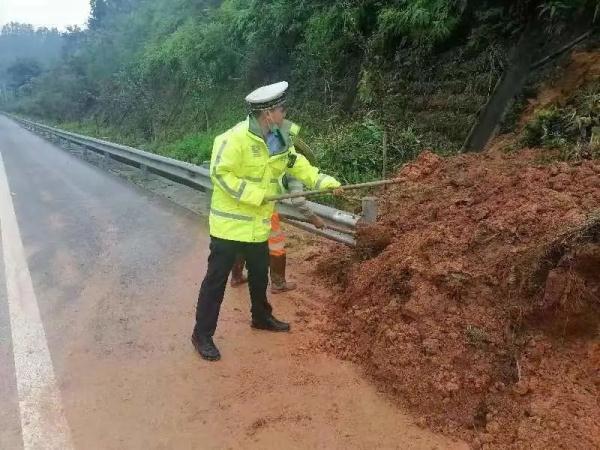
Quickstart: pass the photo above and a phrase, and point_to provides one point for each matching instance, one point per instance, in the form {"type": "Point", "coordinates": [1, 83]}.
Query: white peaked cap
{"type": "Point", "coordinates": [269, 96]}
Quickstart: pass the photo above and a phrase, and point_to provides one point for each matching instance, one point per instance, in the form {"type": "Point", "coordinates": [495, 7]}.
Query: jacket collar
{"type": "Point", "coordinates": [287, 129]}
{"type": "Point", "coordinates": [254, 127]}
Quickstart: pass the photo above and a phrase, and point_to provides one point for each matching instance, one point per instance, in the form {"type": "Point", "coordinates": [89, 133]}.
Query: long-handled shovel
{"type": "Point", "coordinates": [274, 198]}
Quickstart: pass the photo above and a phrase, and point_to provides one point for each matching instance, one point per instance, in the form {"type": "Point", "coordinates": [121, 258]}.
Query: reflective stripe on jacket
{"type": "Point", "coordinates": [243, 174]}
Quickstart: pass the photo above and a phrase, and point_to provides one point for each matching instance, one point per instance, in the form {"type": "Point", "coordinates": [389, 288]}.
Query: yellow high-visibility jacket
{"type": "Point", "coordinates": [243, 174]}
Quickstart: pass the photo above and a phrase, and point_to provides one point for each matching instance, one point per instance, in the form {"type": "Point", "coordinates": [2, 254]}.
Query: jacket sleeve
{"type": "Point", "coordinates": [295, 186]}
{"type": "Point", "coordinates": [309, 175]}
{"type": "Point", "coordinates": [226, 158]}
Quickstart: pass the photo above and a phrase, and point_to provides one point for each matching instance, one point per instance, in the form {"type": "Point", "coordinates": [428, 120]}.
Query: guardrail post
{"type": "Point", "coordinates": [144, 171]}
{"type": "Point", "coordinates": [105, 159]}
{"type": "Point", "coordinates": [369, 209]}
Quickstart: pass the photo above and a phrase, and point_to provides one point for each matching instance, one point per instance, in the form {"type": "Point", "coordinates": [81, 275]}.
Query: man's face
{"type": "Point", "coordinates": [277, 115]}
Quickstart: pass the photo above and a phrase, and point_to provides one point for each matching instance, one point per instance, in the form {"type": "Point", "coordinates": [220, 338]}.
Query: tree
{"type": "Point", "coordinates": [22, 72]}
{"type": "Point", "coordinates": [98, 13]}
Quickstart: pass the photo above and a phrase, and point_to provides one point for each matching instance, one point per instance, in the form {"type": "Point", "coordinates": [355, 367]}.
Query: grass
{"type": "Point", "coordinates": [194, 148]}
{"type": "Point", "coordinates": [476, 336]}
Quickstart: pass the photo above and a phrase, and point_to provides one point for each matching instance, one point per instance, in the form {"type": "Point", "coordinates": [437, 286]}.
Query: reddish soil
{"type": "Point", "coordinates": [482, 312]}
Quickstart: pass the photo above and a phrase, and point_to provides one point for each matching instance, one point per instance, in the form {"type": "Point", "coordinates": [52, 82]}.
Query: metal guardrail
{"type": "Point", "coordinates": [198, 177]}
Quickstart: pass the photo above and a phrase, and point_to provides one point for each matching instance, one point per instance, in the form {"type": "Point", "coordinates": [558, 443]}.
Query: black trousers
{"type": "Point", "coordinates": [220, 261]}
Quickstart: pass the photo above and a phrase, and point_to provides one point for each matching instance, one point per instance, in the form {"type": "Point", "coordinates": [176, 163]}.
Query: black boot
{"type": "Point", "coordinates": [270, 324]}
{"type": "Point", "coordinates": [205, 346]}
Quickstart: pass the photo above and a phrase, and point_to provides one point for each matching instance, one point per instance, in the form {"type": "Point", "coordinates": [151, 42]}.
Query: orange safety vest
{"type": "Point", "coordinates": [276, 237]}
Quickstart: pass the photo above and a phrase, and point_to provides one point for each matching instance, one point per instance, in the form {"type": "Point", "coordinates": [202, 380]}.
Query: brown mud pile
{"type": "Point", "coordinates": [475, 299]}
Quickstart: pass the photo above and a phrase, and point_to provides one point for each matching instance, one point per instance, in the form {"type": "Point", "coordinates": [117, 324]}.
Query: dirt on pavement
{"type": "Point", "coordinates": [145, 387]}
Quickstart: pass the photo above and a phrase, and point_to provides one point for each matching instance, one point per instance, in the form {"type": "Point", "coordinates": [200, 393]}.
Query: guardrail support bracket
{"type": "Point", "coordinates": [105, 159]}
{"type": "Point", "coordinates": [369, 210]}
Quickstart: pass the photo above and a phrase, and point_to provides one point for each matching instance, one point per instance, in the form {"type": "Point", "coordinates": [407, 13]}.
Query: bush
{"type": "Point", "coordinates": [354, 153]}
{"type": "Point", "coordinates": [573, 130]}
{"type": "Point", "coordinates": [549, 128]}
{"type": "Point", "coordinates": [323, 60]}
{"type": "Point", "coordinates": [427, 22]}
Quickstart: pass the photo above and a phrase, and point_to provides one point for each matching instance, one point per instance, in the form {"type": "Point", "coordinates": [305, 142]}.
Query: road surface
{"type": "Point", "coordinates": [98, 281]}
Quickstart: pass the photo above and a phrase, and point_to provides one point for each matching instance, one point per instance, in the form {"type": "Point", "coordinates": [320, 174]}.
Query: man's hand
{"type": "Point", "coordinates": [338, 192]}
{"type": "Point", "coordinates": [317, 221]}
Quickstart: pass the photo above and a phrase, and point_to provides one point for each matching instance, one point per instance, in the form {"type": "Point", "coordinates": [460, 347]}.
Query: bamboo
{"type": "Point", "coordinates": [384, 163]}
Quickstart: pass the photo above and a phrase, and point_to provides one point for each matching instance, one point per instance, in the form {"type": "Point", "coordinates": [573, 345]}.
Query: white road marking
{"type": "Point", "coordinates": [43, 422]}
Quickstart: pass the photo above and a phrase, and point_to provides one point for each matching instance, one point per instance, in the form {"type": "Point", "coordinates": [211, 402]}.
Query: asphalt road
{"type": "Point", "coordinates": [98, 281]}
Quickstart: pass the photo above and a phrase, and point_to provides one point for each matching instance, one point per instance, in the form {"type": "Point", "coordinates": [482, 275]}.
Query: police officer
{"type": "Point", "coordinates": [277, 250]}
{"type": "Point", "coordinates": [247, 164]}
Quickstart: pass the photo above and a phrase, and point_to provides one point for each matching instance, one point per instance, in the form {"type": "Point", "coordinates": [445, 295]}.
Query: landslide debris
{"type": "Point", "coordinates": [478, 303]}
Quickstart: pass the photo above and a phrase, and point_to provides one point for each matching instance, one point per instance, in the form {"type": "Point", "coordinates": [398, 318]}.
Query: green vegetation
{"type": "Point", "coordinates": [169, 75]}
{"type": "Point", "coordinates": [573, 130]}
{"type": "Point", "coordinates": [550, 128]}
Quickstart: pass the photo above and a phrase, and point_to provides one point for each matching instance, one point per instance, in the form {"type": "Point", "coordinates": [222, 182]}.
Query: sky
{"type": "Point", "coordinates": [45, 13]}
